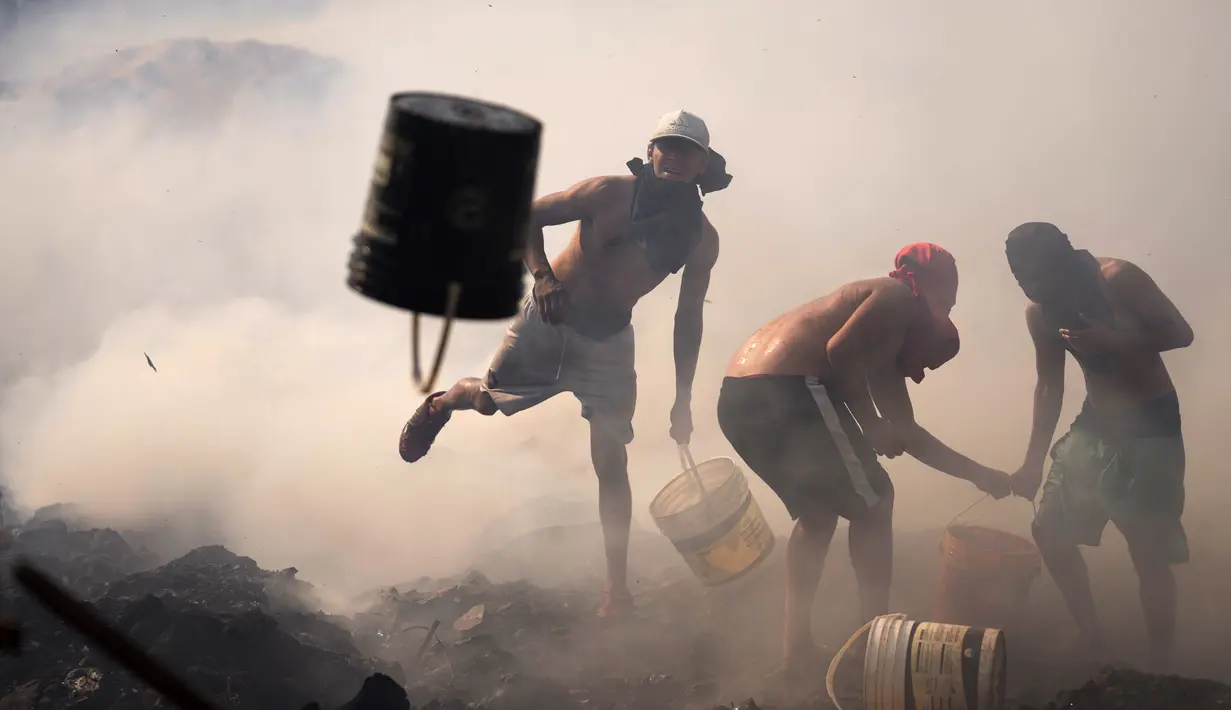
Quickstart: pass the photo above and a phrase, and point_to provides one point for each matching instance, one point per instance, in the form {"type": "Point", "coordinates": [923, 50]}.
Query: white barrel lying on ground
{"type": "Point", "coordinates": [921, 665]}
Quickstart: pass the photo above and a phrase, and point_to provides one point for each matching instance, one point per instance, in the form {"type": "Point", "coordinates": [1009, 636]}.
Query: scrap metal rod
{"type": "Point", "coordinates": [87, 622]}
{"type": "Point", "coordinates": [431, 634]}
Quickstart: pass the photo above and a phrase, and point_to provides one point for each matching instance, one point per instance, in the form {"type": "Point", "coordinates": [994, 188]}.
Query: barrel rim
{"type": "Point", "coordinates": [993, 685]}
{"type": "Point", "coordinates": [892, 636]}
{"type": "Point", "coordinates": [1032, 553]}
{"type": "Point", "coordinates": [534, 125]}
{"type": "Point", "coordinates": [656, 502]}
{"type": "Point", "coordinates": [886, 633]}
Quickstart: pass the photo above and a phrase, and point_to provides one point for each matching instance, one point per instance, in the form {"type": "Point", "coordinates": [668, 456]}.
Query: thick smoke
{"type": "Point", "coordinates": [210, 230]}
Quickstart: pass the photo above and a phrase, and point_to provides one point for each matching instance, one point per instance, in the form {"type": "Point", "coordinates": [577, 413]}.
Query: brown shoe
{"type": "Point", "coordinates": [421, 430]}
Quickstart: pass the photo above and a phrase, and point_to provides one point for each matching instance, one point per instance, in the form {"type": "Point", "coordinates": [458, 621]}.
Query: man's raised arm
{"type": "Point", "coordinates": [571, 205]}
{"type": "Point", "coordinates": [1163, 326]}
{"type": "Point", "coordinates": [579, 202]}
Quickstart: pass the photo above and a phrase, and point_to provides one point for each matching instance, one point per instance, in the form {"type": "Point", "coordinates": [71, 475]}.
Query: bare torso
{"type": "Point", "coordinates": [1131, 379]}
{"type": "Point", "coordinates": [602, 268]}
{"type": "Point", "coordinates": [796, 342]}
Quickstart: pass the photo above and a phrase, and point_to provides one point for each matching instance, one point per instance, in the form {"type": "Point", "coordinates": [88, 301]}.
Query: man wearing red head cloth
{"type": "Point", "coordinates": [800, 403]}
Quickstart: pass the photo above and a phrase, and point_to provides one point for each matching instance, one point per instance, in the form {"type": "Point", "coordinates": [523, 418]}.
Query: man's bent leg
{"type": "Point", "coordinates": [1069, 515]}
{"type": "Point", "coordinates": [467, 395]}
{"type": "Point", "coordinates": [871, 546]}
{"type": "Point", "coordinates": [522, 374]}
{"type": "Point", "coordinates": [430, 418]}
{"type": "Point", "coordinates": [1068, 569]}
{"type": "Point", "coordinates": [805, 559]}
{"type": "Point", "coordinates": [615, 510]}
{"type": "Point", "coordinates": [1149, 546]}
{"type": "Point", "coordinates": [1149, 517]}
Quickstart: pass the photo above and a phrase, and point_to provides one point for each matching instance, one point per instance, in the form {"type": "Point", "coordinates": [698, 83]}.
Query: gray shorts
{"type": "Point", "coordinates": [1137, 482]}
{"type": "Point", "coordinates": [538, 360]}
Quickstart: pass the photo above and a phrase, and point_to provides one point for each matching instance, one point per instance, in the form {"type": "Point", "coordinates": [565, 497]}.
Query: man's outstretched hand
{"type": "Point", "coordinates": [1027, 480]}
{"type": "Point", "coordinates": [550, 298]}
{"type": "Point", "coordinates": [884, 441]}
{"type": "Point", "coordinates": [996, 484]}
{"type": "Point", "coordinates": [681, 422]}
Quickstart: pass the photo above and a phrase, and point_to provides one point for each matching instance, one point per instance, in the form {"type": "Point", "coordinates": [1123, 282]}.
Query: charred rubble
{"type": "Point", "coordinates": [244, 636]}
{"type": "Point", "coordinates": [251, 638]}
{"type": "Point", "coordinates": [1121, 689]}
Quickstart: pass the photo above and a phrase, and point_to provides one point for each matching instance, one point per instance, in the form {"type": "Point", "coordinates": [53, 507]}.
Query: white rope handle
{"type": "Point", "coordinates": [841, 654]}
{"type": "Point", "coordinates": [452, 296]}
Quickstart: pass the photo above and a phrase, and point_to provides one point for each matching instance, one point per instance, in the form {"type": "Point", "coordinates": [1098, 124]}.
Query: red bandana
{"type": "Point", "coordinates": [931, 339]}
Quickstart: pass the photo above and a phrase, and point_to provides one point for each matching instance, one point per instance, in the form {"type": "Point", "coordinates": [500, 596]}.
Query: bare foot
{"type": "Point", "coordinates": [803, 668]}
{"type": "Point", "coordinates": [617, 603]}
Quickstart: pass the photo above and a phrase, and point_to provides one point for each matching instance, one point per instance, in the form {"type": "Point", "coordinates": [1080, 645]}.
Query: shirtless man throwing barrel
{"type": "Point", "coordinates": [574, 332]}
{"type": "Point", "coordinates": [799, 404]}
{"type": "Point", "coordinates": [1123, 458]}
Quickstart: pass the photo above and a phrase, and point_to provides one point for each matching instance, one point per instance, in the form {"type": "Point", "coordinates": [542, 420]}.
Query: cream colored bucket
{"type": "Point", "coordinates": [920, 665]}
{"type": "Point", "coordinates": [710, 516]}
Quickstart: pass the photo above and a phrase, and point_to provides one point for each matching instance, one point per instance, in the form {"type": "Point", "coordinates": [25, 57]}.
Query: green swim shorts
{"type": "Point", "coordinates": [1131, 481]}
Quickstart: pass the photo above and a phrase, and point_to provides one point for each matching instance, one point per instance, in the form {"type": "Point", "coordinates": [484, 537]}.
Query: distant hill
{"type": "Point", "coordinates": [193, 70]}
{"type": "Point", "coordinates": [16, 15]}
{"type": "Point", "coordinates": [186, 81]}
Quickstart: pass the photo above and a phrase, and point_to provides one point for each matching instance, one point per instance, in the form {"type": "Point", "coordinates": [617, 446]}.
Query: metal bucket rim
{"type": "Point", "coordinates": [1032, 553]}
{"type": "Point", "coordinates": [533, 125]}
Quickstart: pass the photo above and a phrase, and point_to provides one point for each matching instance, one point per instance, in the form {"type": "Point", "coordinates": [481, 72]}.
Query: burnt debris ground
{"type": "Point", "coordinates": [251, 638]}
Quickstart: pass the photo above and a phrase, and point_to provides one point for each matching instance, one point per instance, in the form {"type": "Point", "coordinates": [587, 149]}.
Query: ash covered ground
{"type": "Point", "coordinates": [255, 638]}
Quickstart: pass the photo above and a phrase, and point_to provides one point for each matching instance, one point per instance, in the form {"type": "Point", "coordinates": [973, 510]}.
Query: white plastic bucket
{"type": "Point", "coordinates": [710, 516]}
{"type": "Point", "coordinates": [914, 665]}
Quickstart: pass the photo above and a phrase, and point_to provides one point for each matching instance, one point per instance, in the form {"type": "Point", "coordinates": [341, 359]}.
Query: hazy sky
{"type": "Point", "coordinates": [852, 128]}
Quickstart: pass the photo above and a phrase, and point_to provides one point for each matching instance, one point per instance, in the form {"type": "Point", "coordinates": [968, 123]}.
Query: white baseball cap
{"type": "Point", "coordinates": [682, 124]}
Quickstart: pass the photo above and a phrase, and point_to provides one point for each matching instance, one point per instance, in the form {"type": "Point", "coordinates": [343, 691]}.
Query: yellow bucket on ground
{"type": "Point", "coordinates": [710, 516]}
{"type": "Point", "coordinates": [920, 665]}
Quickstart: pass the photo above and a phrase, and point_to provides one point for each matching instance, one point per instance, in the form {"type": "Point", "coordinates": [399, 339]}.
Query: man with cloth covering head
{"type": "Point", "coordinates": [811, 399]}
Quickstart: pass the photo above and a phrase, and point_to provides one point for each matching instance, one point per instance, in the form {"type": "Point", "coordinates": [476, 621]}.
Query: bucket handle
{"type": "Point", "coordinates": [973, 505]}
{"type": "Point", "coordinates": [452, 296]}
{"type": "Point", "coordinates": [690, 466]}
{"type": "Point", "coordinates": [968, 508]}
{"type": "Point", "coordinates": [841, 654]}
{"type": "Point", "coordinates": [986, 496]}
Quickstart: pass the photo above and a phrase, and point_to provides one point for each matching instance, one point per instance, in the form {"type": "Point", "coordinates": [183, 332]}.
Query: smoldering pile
{"type": "Point", "coordinates": [1125, 689]}
{"type": "Point", "coordinates": [246, 637]}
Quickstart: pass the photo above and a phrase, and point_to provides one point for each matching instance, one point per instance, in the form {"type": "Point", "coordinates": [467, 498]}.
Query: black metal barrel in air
{"type": "Point", "coordinates": [449, 206]}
